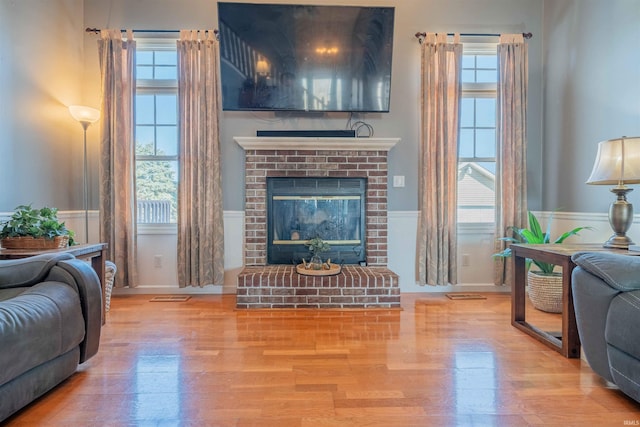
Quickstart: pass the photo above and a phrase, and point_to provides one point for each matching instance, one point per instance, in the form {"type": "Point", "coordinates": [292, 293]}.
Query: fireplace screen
{"type": "Point", "coordinates": [300, 209]}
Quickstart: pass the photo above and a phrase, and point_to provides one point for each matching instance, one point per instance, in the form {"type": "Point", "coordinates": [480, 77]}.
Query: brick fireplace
{"type": "Point", "coordinates": [278, 286]}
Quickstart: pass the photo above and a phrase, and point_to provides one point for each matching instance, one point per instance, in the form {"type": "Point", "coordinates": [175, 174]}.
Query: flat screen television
{"type": "Point", "coordinates": [305, 58]}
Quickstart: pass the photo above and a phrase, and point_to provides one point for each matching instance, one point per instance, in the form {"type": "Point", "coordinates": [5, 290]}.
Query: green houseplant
{"type": "Point", "coordinates": [545, 285]}
{"type": "Point", "coordinates": [535, 235]}
{"type": "Point", "coordinates": [316, 247]}
{"type": "Point", "coordinates": [34, 228]}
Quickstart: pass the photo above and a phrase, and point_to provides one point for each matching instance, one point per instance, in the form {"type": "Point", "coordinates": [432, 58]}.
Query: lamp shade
{"type": "Point", "coordinates": [262, 67]}
{"type": "Point", "coordinates": [84, 114]}
{"type": "Point", "coordinates": [617, 162]}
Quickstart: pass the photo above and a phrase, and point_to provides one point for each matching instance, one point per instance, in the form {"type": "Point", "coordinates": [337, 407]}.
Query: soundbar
{"type": "Point", "coordinates": [308, 133]}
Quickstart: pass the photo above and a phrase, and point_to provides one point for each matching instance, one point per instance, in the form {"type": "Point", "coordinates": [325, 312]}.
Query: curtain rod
{"type": "Point", "coordinates": [97, 31]}
{"type": "Point", "coordinates": [420, 36]}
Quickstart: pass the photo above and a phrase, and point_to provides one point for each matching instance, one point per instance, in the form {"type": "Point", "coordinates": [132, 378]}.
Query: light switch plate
{"type": "Point", "coordinates": [398, 180]}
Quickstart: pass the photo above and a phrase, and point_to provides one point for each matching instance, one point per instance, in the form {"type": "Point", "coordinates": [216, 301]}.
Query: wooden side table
{"type": "Point", "coordinates": [568, 344]}
{"type": "Point", "coordinates": [96, 252]}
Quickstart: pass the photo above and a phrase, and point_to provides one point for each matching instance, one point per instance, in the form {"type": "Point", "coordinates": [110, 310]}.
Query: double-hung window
{"type": "Point", "coordinates": [156, 131]}
{"type": "Point", "coordinates": [477, 141]}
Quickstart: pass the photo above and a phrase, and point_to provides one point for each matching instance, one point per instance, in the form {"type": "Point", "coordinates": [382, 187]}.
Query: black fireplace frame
{"type": "Point", "coordinates": [350, 253]}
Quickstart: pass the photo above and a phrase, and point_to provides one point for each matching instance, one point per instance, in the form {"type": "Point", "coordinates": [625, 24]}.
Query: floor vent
{"type": "Point", "coordinates": [169, 298]}
{"type": "Point", "coordinates": [465, 296]}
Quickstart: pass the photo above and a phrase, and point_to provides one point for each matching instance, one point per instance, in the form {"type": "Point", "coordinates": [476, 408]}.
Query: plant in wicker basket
{"type": "Point", "coordinates": [545, 285]}
{"type": "Point", "coordinates": [30, 228]}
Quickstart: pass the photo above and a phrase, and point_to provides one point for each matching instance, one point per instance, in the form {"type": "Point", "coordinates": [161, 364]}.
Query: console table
{"type": "Point", "coordinates": [568, 344]}
{"type": "Point", "coordinates": [96, 252]}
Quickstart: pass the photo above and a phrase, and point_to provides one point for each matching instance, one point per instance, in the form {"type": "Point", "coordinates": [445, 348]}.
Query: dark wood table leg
{"type": "Point", "coordinates": [518, 290]}
{"type": "Point", "coordinates": [570, 337]}
{"type": "Point", "coordinates": [97, 262]}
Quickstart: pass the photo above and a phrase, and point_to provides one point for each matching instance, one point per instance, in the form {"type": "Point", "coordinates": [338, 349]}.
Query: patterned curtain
{"type": "Point", "coordinates": [117, 153]}
{"type": "Point", "coordinates": [200, 220]}
{"type": "Point", "coordinates": [511, 187]}
{"type": "Point", "coordinates": [441, 93]}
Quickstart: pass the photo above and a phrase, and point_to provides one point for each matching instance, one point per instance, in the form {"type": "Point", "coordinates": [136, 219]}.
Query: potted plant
{"type": "Point", "coordinates": [316, 247]}
{"type": "Point", "coordinates": [30, 228]}
{"type": "Point", "coordinates": [545, 285]}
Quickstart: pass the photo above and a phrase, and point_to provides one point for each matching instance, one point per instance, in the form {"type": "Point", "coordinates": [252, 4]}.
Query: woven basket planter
{"type": "Point", "coordinates": [109, 277]}
{"type": "Point", "coordinates": [545, 291]}
{"type": "Point", "coordinates": [28, 242]}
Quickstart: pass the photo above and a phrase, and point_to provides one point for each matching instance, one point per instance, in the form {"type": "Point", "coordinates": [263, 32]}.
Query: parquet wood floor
{"type": "Point", "coordinates": [436, 362]}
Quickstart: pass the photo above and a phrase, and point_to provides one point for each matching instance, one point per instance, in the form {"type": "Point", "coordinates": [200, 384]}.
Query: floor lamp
{"type": "Point", "coordinates": [86, 116]}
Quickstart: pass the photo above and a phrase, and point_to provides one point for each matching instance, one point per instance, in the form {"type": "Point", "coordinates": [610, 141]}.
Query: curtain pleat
{"type": "Point", "coordinates": [511, 187]}
{"type": "Point", "coordinates": [440, 104]}
{"type": "Point", "coordinates": [200, 213]}
{"type": "Point", "coordinates": [117, 154]}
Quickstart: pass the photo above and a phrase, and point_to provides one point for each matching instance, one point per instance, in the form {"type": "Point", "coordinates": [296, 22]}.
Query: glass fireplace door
{"type": "Point", "coordinates": [300, 212]}
{"type": "Point", "coordinates": [335, 219]}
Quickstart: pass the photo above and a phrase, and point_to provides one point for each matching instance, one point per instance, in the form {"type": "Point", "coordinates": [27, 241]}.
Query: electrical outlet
{"type": "Point", "coordinates": [157, 261]}
{"type": "Point", "coordinates": [465, 260]}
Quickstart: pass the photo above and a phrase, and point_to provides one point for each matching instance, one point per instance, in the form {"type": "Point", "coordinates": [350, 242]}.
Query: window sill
{"type": "Point", "coordinates": [476, 228]}
{"type": "Point", "coordinates": [148, 229]}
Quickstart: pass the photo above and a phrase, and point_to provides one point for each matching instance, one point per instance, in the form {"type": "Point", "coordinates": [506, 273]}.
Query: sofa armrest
{"type": "Point", "coordinates": [621, 272]}
{"type": "Point", "coordinates": [24, 272]}
{"type": "Point", "coordinates": [83, 277]}
{"type": "Point", "coordinates": [592, 298]}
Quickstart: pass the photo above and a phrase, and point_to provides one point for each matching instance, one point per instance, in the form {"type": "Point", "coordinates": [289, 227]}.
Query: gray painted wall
{"type": "Point", "coordinates": [52, 76]}
{"type": "Point", "coordinates": [486, 16]}
{"type": "Point", "coordinates": [41, 62]}
{"type": "Point", "coordinates": [592, 93]}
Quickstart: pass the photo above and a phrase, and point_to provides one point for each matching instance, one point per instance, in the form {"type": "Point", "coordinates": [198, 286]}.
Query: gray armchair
{"type": "Point", "coordinates": [606, 296]}
{"type": "Point", "coordinates": [50, 321]}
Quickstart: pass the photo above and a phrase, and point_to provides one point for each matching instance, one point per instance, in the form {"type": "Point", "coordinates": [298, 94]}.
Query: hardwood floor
{"type": "Point", "coordinates": [436, 362]}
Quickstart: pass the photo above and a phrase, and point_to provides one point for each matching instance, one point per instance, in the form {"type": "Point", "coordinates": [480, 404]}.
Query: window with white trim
{"type": "Point", "coordinates": [156, 131]}
{"type": "Point", "coordinates": [477, 140]}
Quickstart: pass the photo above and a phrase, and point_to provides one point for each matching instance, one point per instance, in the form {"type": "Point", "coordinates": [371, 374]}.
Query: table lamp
{"type": "Point", "coordinates": [618, 163]}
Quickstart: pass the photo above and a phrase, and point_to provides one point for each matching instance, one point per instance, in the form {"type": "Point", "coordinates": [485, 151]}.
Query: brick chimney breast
{"type": "Point", "coordinates": [316, 157]}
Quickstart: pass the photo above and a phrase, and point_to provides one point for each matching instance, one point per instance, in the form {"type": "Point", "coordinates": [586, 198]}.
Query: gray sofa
{"type": "Point", "coordinates": [50, 321]}
{"type": "Point", "coordinates": [606, 296]}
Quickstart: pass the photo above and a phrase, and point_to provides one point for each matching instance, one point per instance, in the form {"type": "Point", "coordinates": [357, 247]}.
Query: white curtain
{"type": "Point", "coordinates": [511, 162]}
{"type": "Point", "coordinates": [200, 220]}
{"type": "Point", "coordinates": [117, 153]}
{"type": "Point", "coordinates": [440, 103]}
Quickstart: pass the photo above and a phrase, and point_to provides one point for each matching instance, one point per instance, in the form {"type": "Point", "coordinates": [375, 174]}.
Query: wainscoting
{"type": "Point", "coordinates": [402, 227]}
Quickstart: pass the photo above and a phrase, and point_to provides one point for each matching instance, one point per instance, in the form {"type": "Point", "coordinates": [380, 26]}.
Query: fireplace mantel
{"type": "Point", "coordinates": [316, 143]}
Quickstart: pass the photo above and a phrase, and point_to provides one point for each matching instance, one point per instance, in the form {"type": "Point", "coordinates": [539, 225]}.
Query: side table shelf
{"type": "Point", "coordinates": [568, 343]}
